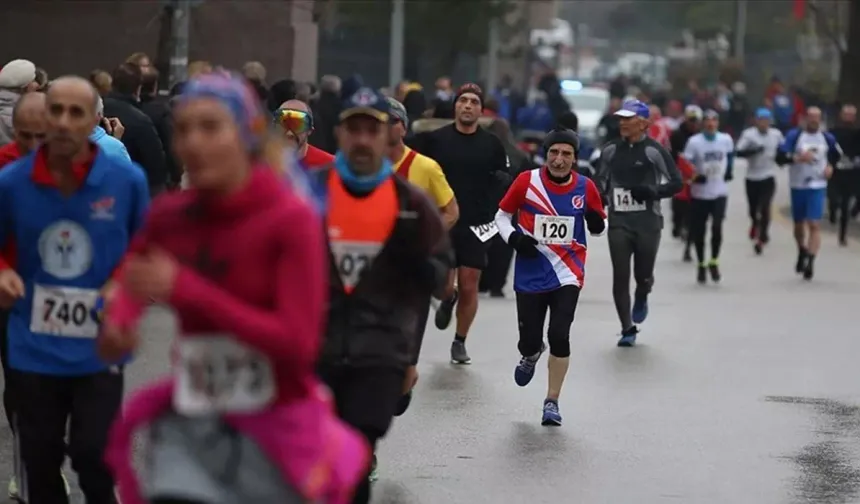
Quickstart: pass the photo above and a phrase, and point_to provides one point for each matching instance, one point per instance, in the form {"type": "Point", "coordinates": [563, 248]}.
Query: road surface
{"type": "Point", "coordinates": [745, 392]}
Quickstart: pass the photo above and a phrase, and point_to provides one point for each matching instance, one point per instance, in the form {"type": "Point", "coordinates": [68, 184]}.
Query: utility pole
{"type": "Point", "coordinates": [181, 35]}
{"type": "Point", "coordinates": [493, 56]}
{"type": "Point", "coordinates": [398, 41]}
{"type": "Point", "coordinates": [740, 29]}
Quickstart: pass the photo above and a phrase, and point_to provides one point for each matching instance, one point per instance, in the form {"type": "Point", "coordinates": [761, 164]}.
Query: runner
{"type": "Point", "coordinates": [29, 123]}
{"type": "Point", "coordinates": [297, 122]}
{"type": "Point", "coordinates": [476, 165]}
{"type": "Point", "coordinates": [635, 172]}
{"type": "Point", "coordinates": [681, 202]}
{"type": "Point", "coordinates": [758, 144]}
{"type": "Point", "coordinates": [242, 418]}
{"type": "Point", "coordinates": [811, 154]}
{"type": "Point", "coordinates": [554, 206]}
{"type": "Point", "coordinates": [389, 253]}
{"type": "Point", "coordinates": [846, 179]}
{"type": "Point", "coordinates": [711, 153]}
{"type": "Point", "coordinates": [71, 210]}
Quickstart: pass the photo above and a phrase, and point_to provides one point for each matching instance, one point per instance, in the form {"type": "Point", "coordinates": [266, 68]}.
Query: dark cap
{"type": "Point", "coordinates": [562, 136]}
{"type": "Point", "coordinates": [366, 101]}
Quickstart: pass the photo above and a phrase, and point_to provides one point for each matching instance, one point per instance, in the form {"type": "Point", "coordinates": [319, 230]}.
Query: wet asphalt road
{"type": "Point", "coordinates": [745, 392]}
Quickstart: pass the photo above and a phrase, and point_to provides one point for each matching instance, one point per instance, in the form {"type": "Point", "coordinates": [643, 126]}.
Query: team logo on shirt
{"type": "Point", "coordinates": [65, 249]}
{"type": "Point", "coordinates": [578, 202]}
{"type": "Point", "coordinates": [102, 209]}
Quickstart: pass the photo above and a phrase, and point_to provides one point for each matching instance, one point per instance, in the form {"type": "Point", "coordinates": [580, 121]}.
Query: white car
{"type": "Point", "coordinates": [589, 104]}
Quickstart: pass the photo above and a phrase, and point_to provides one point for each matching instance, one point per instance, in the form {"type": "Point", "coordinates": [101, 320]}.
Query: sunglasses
{"type": "Point", "coordinates": [294, 121]}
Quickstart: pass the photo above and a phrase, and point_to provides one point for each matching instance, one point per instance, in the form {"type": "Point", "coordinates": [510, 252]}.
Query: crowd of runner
{"type": "Point", "coordinates": [314, 233]}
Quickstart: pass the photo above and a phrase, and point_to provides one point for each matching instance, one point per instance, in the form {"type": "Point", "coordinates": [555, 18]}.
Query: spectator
{"type": "Point", "coordinates": [30, 120]}
{"type": "Point", "coordinates": [41, 80]}
{"type": "Point", "coordinates": [198, 67]}
{"type": "Point", "coordinates": [536, 116]}
{"type": "Point", "coordinates": [782, 105]}
{"type": "Point", "coordinates": [102, 81]}
{"type": "Point", "coordinates": [142, 61]}
{"type": "Point", "coordinates": [739, 109]}
{"type": "Point", "coordinates": [491, 108]}
{"type": "Point", "coordinates": [16, 78]}
{"type": "Point", "coordinates": [281, 91]}
{"type": "Point", "coordinates": [109, 143]}
{"type": "Point", "coordinates": [326, 110]}
{"type": "Point", "coordinates": [608, 129]}
{"type": "Point", "coordinates": [509, 100]}
{"type": "Point", "coordinates": [158, 111]}
{"type": "Point", "coordinates": [415, 104]}
{"type": "Point", "coordinates": [443, 103]}
{"type": "Point", "coordinates": [140, 138]}
{"type": "Point", "coordinates": [303, 92]}
{"type": "Point", "coordinates": [255, 72]}
{"type": "Point", "coordinates": [551, 87]}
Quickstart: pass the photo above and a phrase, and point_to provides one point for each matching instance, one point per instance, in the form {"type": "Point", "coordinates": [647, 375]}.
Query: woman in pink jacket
{"type": "Point", "coordinates": [240, 258]}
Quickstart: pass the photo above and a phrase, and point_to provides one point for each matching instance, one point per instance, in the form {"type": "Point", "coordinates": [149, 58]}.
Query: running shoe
{"type": "Point", "coordinates": [446, 311]}
{"type": "Point", "coordinates": [13, 490]}
{"type": "Point", "coordinates": [525, 370]}
{"type": "Point", "coordinates": [459, 355]}
{"type": "Point", "coordinates": [800, 267]}
{"type": "Point", "coordinates": [702, 274]}
{"type": "Point", "coordinates": [714, 269]}
{"type": "Point", "coordinates": [628, 337]}
{"type": "Point", "coordinates": [551, 415]}
{"type": "Point", "coordinates": [688, 257]}
{"type": "Point", "coordinates": [374, 474]}
{"type": "Point", "coordinates": [807, 271]}
{"type": "Point", "coordinates": [403, 403]}
{"type": "Point", "coordinates": [753, 234]}
{"type": "Point", "coordinates": [640, 310]}
{"type": "Point", "coordinates": [758, 248]}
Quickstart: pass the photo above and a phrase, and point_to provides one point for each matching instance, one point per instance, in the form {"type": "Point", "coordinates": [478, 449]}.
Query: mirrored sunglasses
{"type": "Point", "coordinates": [295, 121]}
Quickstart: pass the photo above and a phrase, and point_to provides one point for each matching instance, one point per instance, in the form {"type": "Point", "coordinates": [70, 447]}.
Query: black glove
{"type": "Point", "coordinates": [594, 222]}
{"type": "Point", "coordinates": [524, 245]}
{"type": "Point", "coordinates": [643, 193]}
{"type": "Point", "coordinates": [700, 179]}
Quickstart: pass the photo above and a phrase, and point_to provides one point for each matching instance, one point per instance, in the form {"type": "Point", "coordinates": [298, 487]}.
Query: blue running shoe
{"type": "Point", "coordinates": [525, 370]}
{"type": "Point", "coordinates": [640, 310]}
{"type": "Point", "coordinates": [551, 415]}
{"type": "Point", "coordinates": [628, 337]}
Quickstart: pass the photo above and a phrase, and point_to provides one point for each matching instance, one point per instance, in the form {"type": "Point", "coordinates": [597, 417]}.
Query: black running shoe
{"type": "Point", "coordinates": [446, 311]}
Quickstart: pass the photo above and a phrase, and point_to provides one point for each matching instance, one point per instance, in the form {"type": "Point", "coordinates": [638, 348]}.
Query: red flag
{"type": "Point", "coordinates": [799, 9]}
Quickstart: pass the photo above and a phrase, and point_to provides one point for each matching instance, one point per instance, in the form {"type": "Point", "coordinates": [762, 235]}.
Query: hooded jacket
{"type": "Point", "coordinates": [110, 145]}
{"type": "Point", "coordinates": [8, 99]}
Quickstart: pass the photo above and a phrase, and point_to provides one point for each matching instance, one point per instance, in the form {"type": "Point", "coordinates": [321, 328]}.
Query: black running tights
{"type": "Point", "coordinates": [700, 212]}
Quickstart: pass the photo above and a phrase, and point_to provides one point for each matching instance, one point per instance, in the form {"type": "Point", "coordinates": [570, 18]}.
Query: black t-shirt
{"type": "Point", "coordinates": [475, 166]}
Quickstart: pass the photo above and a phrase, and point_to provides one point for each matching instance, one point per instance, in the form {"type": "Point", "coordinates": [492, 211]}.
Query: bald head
{"type": "Point", "coordinates": [295, 105]}
{"type": "Point", "coordinates": [77, 87]}
{"type": "Point", "coordinates": [31, 105]}
{"type": "Point", "coordinates": [813, 118]}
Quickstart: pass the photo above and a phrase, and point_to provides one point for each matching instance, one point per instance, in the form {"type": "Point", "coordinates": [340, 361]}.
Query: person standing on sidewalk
{"type": "Point", "coordinates": [846, 178]}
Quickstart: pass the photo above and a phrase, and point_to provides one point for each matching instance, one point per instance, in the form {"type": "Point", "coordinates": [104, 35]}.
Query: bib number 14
{"type": "Point", "coordinates": [624, 202]}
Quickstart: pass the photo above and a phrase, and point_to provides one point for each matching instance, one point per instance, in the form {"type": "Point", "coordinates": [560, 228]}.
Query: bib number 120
{"type": "Point", "coordinates": [554, 230]}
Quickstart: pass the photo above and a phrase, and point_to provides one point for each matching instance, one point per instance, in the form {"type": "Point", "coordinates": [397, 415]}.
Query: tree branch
{"type": "Point", "coordinates": [824, 23]}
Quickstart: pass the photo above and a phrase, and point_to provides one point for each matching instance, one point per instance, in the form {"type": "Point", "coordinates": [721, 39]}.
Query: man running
{"type": "Point", "coordinates": [634, 174]}
{"type": "Point", "coordinates": [758, 145]}
{"type": "Point", "coordinates": [846, 179]}
{"type": "Point", "coordinates": [72, 211]}
{"type": "Point", "coordinates": [295, 119]}
{"type": "Point", "coordinates": [389, 252]}
{"type": "Point", "coordinates": [681, 202]}
{"type": "Point", "coordinates": [711, 154]}
{"type": "Point", "coordinates": [554, 206]}
{"type": "Point", "coordinates": [811, 154]}
{"type": "Point", "coordinates": [475, 163]}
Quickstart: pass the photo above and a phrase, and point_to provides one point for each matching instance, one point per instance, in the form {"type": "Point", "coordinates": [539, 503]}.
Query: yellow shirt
{"type": "Point", "coordinates": [426, 173]}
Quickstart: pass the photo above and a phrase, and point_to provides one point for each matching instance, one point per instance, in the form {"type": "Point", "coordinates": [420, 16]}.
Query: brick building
{"type": "Point", "coordinates": [76, 37]}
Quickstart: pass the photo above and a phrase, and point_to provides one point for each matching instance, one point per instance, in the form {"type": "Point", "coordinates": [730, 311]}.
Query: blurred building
{"type": "Point", "coordinates": [76, 37]}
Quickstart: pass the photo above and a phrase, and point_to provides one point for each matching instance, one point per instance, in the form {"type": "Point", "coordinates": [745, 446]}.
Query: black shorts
{"type": "Point", "coordinates": [469, 251]}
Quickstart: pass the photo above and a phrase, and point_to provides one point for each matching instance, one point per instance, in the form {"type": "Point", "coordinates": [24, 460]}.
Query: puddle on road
{"type": "Point", "coordinates": [828, 465]}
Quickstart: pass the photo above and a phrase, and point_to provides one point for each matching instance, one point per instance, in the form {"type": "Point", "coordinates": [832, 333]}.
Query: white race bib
{"type": "Point", "coordinates": [353, 258]}
{"type": "Point", "coordinates": [713, 169]}
{"type": "Point", "coordinates": [485, 231]}
{"type": "Point", "coordinates": [217, 374]}
{"type": "Point", "coordinates": [623, 201]}
{"type": "Point", "coordinates": [554, 229]}
{"type": "Point", "coordinates": [63, 311]}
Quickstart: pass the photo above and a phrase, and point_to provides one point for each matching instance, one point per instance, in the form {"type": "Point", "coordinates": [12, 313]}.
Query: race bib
{"type": "Point", "coordinates": [352, 259]}
{"type": "Point", "coordinates": [485, 231]}
{"type": "Point", "coordinates": [63, 311]}
{"type": "Point", "coordinates": [713, 169]}
{"type": "Point", "coordinates": [554, 229]}
{"type": "Point", "coordinates": [217, 374]}
{"type": "Point", "coordinates": [624, 202]}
